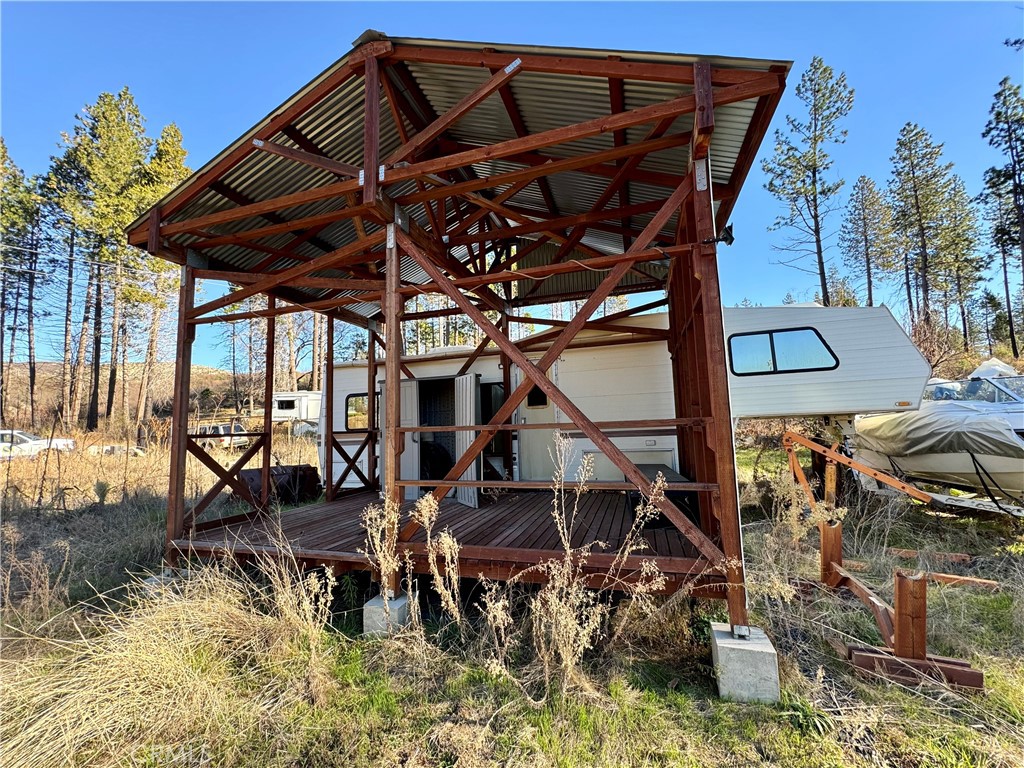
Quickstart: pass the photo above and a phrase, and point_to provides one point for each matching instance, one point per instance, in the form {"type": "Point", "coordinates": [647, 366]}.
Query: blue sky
{"type": "Point", "coordinates": [217, 68]}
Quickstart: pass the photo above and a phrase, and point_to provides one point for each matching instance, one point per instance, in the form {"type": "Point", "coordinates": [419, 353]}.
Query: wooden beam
{"type": "Point", "coordinates": [307, 158]}
{"type": "Point", "coordinates": [371, 130]}
{"type": "Point", "coordinates": [704, 115]}
{"type": "Point", "coordinates": [272, 125]}
{"type": "Point", "coordinates": [371, 406]}
{"type": "Point", "coordinates": [393, 304]}
{"type": "Point", "coordinates": [453, 115]}
{"type": "Point", "coordinates": [911, 614]}
{"type": "Point", "coordinates": [328, 479]}
{"type": "Point", "coordinates": [570, 65]}
{"type": "Point", "coordinates": [268, 408]}
{"type": "Point", "coordinates": [226, 477]}
{"type": "Point", "coordinates": [179, 412]}
{"type": "Point", "coordinates": [576, 416]}
{"type": "Point", "coordinates": [300, 270]}
{"type": "Point", "coordinates": [248, 278]}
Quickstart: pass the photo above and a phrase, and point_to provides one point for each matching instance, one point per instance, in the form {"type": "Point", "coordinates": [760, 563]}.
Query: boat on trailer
{"type": "Point", "coordinates": [967, 434]}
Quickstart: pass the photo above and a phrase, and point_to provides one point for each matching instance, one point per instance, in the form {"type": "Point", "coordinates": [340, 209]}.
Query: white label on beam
{"type": "Point", "coordinates": [513, 66]}
{"type": "Point", "coordinates": [380, 173]}
{"type": "Point", "coordinates": [391, 235]}
{"type": "Point", "coordinates": [257, 143]}
{"type": "Point", "coordinates": [362, 178]}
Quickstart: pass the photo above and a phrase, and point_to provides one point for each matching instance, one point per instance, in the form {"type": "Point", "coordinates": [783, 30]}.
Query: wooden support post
{"type": "Point", "coordinates": [371, 129]}
{"type": "Point", "coordinates": [328, 434]}
{"type": "Point", "coordinates": [911, 609]}
{"type": "Point", "coordinates": [507, 467]}
{"type": "Point", "coordinates": [371, 407]}
{"type": "Point", "coordinates": [394, 441]}
{"type": "Point", "coordinates": [831, 551]}
{"type": "Point", "coordinates": [725, 501]}
{"type": "Point", "coordinates": [830, 486]}
{"type": "Point", "coordinates": [179, 413]}
{"type": "Point", "coordinates": [268, 407]}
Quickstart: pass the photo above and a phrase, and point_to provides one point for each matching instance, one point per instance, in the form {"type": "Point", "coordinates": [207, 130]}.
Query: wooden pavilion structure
{"type": "Point", "coordinates": [500, 176]}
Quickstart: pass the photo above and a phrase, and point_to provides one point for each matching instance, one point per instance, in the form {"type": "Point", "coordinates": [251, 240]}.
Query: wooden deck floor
{"type": "Point", "coordinates": [513, 528]}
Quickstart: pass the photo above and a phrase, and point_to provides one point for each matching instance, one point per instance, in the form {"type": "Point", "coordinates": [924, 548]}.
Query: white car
{"type": "Point", "coordinates": [14, 444]}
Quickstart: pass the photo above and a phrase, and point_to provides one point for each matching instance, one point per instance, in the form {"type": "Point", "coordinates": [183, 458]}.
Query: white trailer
{"type": "Point", "coordinates": [300, 408]}
{"type": "Point", "coordinates": [801, 360]}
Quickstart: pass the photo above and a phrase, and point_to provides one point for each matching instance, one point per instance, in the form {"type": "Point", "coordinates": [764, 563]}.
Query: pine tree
{"type": "Point", "coordinates": [1003, 238]}
{"type": "Point", "coordinates": [1005, 131]}
{"type": "Point", "coordinates": [919, 189]}
{"type": "Point", "coordinates": [799, 169]}
{"type": "Point", "coordinates": [866, 238]}
{"type": "Point", "coordinates": [958, 251]}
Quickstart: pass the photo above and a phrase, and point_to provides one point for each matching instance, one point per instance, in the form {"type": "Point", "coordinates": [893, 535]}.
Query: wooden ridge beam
{"type": "Point", "coordinates": [571, 65]}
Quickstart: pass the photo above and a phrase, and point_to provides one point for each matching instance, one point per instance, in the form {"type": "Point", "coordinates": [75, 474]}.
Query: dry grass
{"type": "Point", "coordinates": [233, 667]}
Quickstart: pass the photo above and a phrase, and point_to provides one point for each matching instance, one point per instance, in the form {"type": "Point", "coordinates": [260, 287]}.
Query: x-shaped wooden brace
{"type": "Point", "coordinates": [227, 477]}
{"type": "Point", "coordinates": [350, 461]}
{"type": "Point", "coordinates": [537, 377]}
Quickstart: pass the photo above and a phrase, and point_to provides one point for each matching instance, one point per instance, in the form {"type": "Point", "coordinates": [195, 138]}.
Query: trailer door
{"type": "Point", "coordinates": [467, 412]}
{"type": "Point", "coordinates": [410, 464]}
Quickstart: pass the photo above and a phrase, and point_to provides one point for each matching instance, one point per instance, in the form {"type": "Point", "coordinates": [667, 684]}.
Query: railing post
{"type": "Point", "coordinates": [328, 434]}
{"type": "Point", "coordinates": [179, 413]}
{"type": "Point", "coordinates": [911, 608]}
{"type": "Point", "coordinates": [268, 406]}
{"type": "Point", "coordinates": [831, 550]}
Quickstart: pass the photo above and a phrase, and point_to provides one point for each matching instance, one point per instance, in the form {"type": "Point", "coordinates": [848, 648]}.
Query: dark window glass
{"type": "Point", "coordinates": [537, 398]}
{"type": "Point", "coordinates": [286, 405]}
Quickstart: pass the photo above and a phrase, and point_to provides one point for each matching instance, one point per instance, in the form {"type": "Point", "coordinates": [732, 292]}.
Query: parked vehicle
{"type": "Point", "coordinates": [14, 444]}
{"type": "Point", "coordinates": [967, 434]}
{"type": "Point", "coordinates": [222, 436]}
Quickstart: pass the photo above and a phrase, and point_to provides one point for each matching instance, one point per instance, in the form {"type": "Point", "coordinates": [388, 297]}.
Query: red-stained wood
{"type": "Point", "coordinates": [179, 412]}
{"type": "Point", "coordinates": [704, 115]}
{"type": "Point", "coordinates": [371, 129]}
{"type": "Point", "coordinates": [153, 243]}
{"type": "Point", "coordinates": [248, 278]}
{"type": "Point", "coordinates": [328, 478]}
{"type": "Point", "coordinates": [225, 477]}
{"type": "Point", "coordinates": [314, 160]}
{"type": "Point", "coordinates": [393, 302]}
{"type": "Point", "coordinates": [759, 124]}
{"type": "Point", "coordinates": [593, 485]}
{"type": "Point", "coordinates": [569, 65]}
{"type": "Point", "coordinates": [268, 407]}
{"type": "Point", "coordinates": [831, 551]}
{"type": "Point", "coordinates": [296, 108]}
{"type": "Point", "coordinates": [371, 407]}
{"type": "Point", "coordinates": [453, 115]}
{"type": "Point", "coordinates": [911, 615]}
{"type": "Point", "coordinates": [300, 270]}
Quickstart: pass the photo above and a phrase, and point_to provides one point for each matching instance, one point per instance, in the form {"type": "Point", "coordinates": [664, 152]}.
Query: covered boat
{"type": "Point", "coordinates": [967, 434]}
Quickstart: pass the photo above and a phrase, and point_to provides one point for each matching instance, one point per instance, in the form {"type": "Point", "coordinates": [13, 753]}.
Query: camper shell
{"type": "Point", "coordinates": [790, 361]}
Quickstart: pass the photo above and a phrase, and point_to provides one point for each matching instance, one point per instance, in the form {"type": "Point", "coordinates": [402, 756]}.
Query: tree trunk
{"type": "Point", "coordinates": [909, 287]}
{"type": "Point", "coordinates": [78, 378]}
{"type": "Point", "coordinates": [115, 338]}
{"type": "Point", "coordinates": [15, 317]}
{"type": "Point", "coordinates": [819, 250]}
{"type": "Point", "coordinates": [31, 324]}
{"type": "Point", "coordinates": [145, 407]}
{"type": "Point", "coordinates": [3, 369]}
{"type": "Point", "coordinates": [291, 382]}
{"type": "Point", "coordinates": [1009, 304]}
{"type": "Point", "coordinates": [962, 303]}
{"type": "Point", "coordinates": [92, 418]}
{"type": "Point", "coordinates": [123, 332]}
{"type": "Point", "coordinates": [67, 415]}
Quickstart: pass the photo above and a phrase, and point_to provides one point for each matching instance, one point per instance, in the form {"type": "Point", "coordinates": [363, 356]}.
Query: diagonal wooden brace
{"type": "Point", "coordinates": [227, 477]}
{"type": "Point", "coordinates": [581, 421]}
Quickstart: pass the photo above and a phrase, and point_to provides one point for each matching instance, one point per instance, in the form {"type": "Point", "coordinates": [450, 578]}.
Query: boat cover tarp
{"type": "Point", "coordinates": [992, 368]}
{"type": "Point", "coordinates": [946, 427]}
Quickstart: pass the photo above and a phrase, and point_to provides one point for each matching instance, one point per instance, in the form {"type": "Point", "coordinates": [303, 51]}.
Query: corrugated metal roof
{"type": "Point", "coordinates": [545, 101]}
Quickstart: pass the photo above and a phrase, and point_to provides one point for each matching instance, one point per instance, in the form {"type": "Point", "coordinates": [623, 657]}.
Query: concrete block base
{"type": "Point", "coordinates": [747, 669]}
{"type": "Point", "coordinates": [377, 623]}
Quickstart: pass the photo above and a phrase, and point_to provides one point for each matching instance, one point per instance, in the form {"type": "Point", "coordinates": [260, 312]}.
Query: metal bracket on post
{"type": "Point", "coordinates": [741, 632]}
{"type": "Point", "coordinates": [401, 219]}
